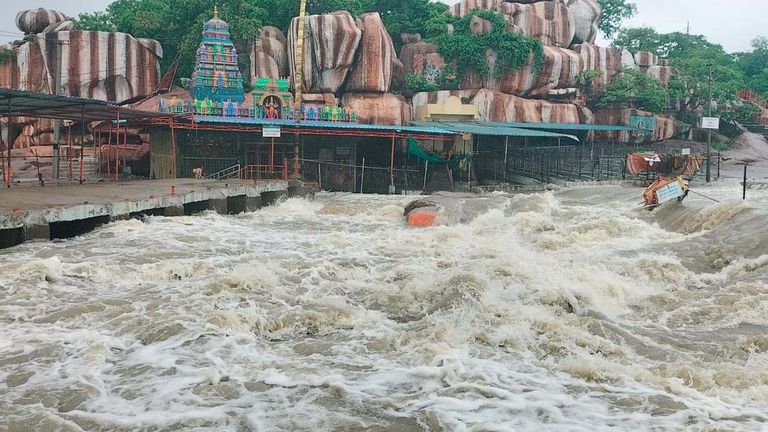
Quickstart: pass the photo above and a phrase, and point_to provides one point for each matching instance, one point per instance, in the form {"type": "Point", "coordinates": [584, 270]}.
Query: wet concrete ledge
{"type": "Point", "coordinates": [63, 212]}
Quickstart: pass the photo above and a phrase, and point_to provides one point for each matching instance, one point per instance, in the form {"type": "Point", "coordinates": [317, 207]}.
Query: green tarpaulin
{"type": "Point", "coordinates": [415, 149]}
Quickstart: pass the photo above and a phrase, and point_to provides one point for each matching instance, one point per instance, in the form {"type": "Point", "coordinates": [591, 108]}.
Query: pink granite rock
{"type": "Point", "coordinates": [464, 7]}
{"type": "Point", "coordinates": [666, 127]}
{"type": "Point", "coordinates": [608, 61]}
{"type": "Point", "coordinates": [646, 59]}
{"type": "Point", "coordinates": [497, 106]}
{"type": "Point", "coordinates": [268, 55]}
{"type": "Point", "coordinates": [330, 44]}
{"type": "Point", "coordinates": [480, 26]}
{"type": "Point", "coordinates": [559, 71]}
{"type": "Point", "coordinates": [586, 16]}
{"type": "Point", "coordinates": [36, 20]}
{"type": "Point", "coordinates": [398, 74]}
{"type": "Point", "coordinates": [372, 70]}
{"type": "Point", "coordinates": [548, 21]}
{"type": "Point", "coordinates": [106, 66]}
{"type": "Point", "coordinates": [414, 56]}
{"type": "Point", "coordinates": [377, 108]}
{"type": "Point", "coordinates": [99, 65]}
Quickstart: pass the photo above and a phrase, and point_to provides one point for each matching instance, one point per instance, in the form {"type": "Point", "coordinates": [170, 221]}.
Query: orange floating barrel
{"type": "Point", "coordinates": [422, 218]}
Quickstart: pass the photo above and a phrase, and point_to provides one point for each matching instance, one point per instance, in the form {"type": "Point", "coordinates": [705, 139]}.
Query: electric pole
{"type": "Point", "coordinates": [709, 131]}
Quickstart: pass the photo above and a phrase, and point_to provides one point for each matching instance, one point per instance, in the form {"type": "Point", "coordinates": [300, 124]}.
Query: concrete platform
{"type": "Point", "coordinates": [34, 212]}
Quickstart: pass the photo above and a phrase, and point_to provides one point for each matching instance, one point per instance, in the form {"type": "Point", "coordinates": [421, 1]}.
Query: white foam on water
{"type": "Point", "coordinates": [550, 311]}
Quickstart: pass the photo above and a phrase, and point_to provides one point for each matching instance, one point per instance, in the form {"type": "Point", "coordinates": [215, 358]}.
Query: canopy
{"type": "Point", "coordinates": [493, 129]}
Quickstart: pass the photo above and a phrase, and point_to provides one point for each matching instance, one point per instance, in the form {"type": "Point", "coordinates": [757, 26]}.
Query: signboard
{"type": "Point", "coordinates": [685, 152]}
{"type": "Point", "coordinates": [710, 122]}
{"type": "Point", "coordinates": [643, 125]}
{"type": "Point", "coordinates": [271, 132]}
{"type": "Point", "coordinates": [669, 192]}
{"type": "Point", "coordinates": [343, 150]}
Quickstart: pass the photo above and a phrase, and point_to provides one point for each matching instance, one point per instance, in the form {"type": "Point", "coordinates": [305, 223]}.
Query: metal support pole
{"type": "Point", "coordinates": [57, 123]}
{"type": "Point", "coordinates": [426, 169]}
{"type": "Point", "coordinates": [506, 154]}
{"type": "Point", "coordinates": [69, 152]}
{"type": "Point", "coordinates": [392, 167]}
{"type": "Point", "coordinates": [744, 185]}
{"type": "Point", "coordinates": [362, 177]}
{"type": "Point", "coordinates": [82, 143]}
{"type": "Point", "coordinates": [109, 151]}
{"type": "Point", "coordinates": [272, 156]}
{"type": "Point", "coordinates": [173, 150]}
{"type": "Point", "coordinates": [8, 173]}
{"type": "Point", "coordinates": [117, 149]}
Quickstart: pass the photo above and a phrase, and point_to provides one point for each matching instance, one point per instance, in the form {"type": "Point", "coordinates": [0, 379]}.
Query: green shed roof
{"type": "Point", "coordinates": [564, 126]}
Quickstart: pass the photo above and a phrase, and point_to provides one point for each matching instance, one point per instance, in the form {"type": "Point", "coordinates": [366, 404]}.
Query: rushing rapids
{"type": "Point", "coordinates": [568, 310]}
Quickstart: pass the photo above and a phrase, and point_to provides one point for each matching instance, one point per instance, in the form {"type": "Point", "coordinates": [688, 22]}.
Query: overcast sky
{"type": "Point", "coordinates": [732, 24]}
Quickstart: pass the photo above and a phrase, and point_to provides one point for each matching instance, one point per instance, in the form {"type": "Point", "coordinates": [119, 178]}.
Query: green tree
{"type": "Point", "coordinates": [693, 72]}
{"type": "Point", "coordinates": [638, 39]}
{"type": "Point", "coordinates": [633, 88]}
{"type": "Point", "coordinates": [614, 12]}
{"type": "Point", "coordinates": [97, 21]}
{"type": "Point", "coordinates": [754, 65]}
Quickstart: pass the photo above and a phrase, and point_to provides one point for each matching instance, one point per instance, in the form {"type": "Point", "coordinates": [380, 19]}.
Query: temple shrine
{"type": "Point", "coordinates": [217, 77]}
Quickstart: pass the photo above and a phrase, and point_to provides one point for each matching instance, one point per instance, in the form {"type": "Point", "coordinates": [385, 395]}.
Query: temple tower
{"type": "Point", "coordinates": [217, 76]}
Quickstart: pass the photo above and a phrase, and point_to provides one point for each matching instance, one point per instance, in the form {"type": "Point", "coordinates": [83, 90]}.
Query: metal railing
{"type": "Point", "coordinates": [265, 172]}
{"type": "Point", "coordinates": [226, 173]}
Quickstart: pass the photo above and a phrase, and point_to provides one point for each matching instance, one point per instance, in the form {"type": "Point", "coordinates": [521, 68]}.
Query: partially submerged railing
{"type": "Point", "coordinates": [265, 172]}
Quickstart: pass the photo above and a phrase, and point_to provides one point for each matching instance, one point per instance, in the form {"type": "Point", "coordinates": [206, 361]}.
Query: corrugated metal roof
{"type": "Point", "coordinates": [428, 129]}
{"type": "Point", "coordinates": [488, 129]}
{"type": "Point", "coordinates": [564, 126]}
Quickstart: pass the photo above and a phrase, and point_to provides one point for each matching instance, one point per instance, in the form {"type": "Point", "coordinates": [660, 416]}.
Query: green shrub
{"type": "Point", "coordinates": [468, 51]}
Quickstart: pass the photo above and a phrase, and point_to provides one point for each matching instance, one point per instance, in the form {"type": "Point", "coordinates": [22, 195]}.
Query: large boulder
{"type": "Point", "coordinates": [420, 55]}
{"type": "Point", "coordinates": [268, 55]}
{"type": "Point", "coordinates": [549, 21]}
{"type": "Point", "coordinates": [372, 71]}
{"type": "Point", "coordinates": [586, 16]}
{"type": "Point", "coordinates": [663, 127]}
{"type": "Point", "coordinates": [330, 44]}
{"type": "Point", "coordinates": [607, 61]}
{"type": "Point", "coordinates": [498, 106]}
{"type": "Point", "coordinates": [464, 7]}
{"type": "Point", "coordinates": [558, 71]}
{"type": "Point", "coordinates": [377, 108]}
{"type": "Point", "coordinates": [36, 20]}
{"type": "Point", "coordinates": [98, 65]}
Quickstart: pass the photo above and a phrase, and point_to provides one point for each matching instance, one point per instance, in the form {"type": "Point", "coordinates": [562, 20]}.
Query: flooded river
{"type": "Point", "coordinates": [571, 310]}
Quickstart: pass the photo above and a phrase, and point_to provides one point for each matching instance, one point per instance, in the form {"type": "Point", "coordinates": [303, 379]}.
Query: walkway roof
{"type": "Point", "coordinates": [427, 129]}
{"type": "Point", "coordinates": [564, 126]}
{"type": "Point", "coordinates": [493, 129]}
{"type": "Point", "coordinates": [19, 103]}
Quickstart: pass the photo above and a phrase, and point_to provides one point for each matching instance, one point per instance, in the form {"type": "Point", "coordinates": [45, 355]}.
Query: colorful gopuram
{"type": "Point", "coordinates": [217, 77]}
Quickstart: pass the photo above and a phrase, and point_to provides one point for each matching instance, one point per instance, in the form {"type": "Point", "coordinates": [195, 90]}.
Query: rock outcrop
{"type": "Point", "coordinates": [35, 21]}
{"type": "Point", "coordinates": [548, 21]}
{"type": "Point", "coordinates": [663, 127]}
{"type": "Point", "coordinates": [98, 65]}
{"type": "Point", "coordinates": [268, 54]}
{"type": "Point", "coordinates": [372, 71]}
{"type": "Point", "coordinates": [378, 109]}
{"type": "Point", "coordinates": [330, 45]}
{"type": "Point", "coordinates": [105, 66]}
